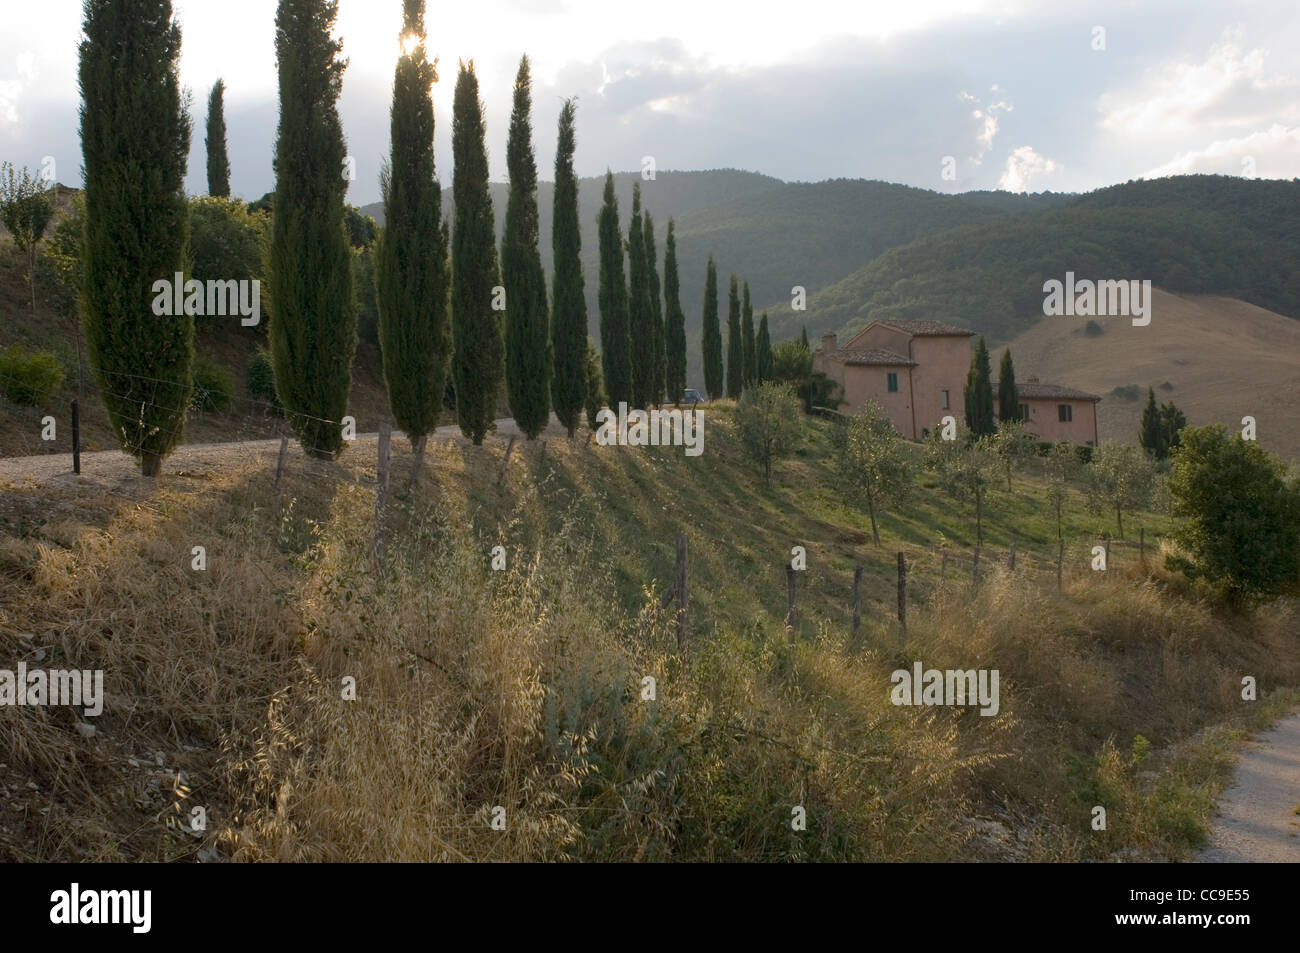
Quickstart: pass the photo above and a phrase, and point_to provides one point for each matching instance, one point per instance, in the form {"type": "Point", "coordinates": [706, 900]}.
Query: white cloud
{"type": "Point", "coordinates": [1230, 88]}
{"type": "Point", "coordinates": [988, 118]}
{"type": "Point", "coordinates": [1023, 166]}
{"type": "Point", "coordinates": [1274, 154]}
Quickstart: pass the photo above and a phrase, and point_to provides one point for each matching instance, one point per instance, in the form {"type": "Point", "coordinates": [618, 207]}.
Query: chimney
{"type": "Point", "coordinates": [829, 345]}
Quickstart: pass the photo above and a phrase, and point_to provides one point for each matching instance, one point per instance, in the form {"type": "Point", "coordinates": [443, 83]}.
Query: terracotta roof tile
{"type": "Point", "coordinates": [876, 355]}
{"type": "Point", "coordinates": [1033, 390]}
{"type": "Point", "coordinates": [929, 328]}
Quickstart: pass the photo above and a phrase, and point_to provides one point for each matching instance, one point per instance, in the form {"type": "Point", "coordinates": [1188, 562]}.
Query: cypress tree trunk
{"type": "Point", "coordinates": [749, 358]}
{"type": "Point", "coordinates": [476, 329]}
{"type": "Point", "coordinates": [528, 339]}
{"type": "Point", "coordinates": [764, 349]}
{"type": "Point", "coordinates": [218, 161]}
{"type": "Point", "coordinates": [135, 137]}
{"type": "Point", "coordinates": [658, 359]}
{"type": "Point", "coordinates": [711, 335]}
{"type": "Point", "coordinates": [411, 257]}
{"type": "Point", "coordinates": [642, 334]}
{"type": "Point", "coordinates": [674, 323]}
{"type": "Point", "coordinates": [735, 348]}
{"type": "Point", "coordinates": [615, 342]}
{"type": "Point", "coordinates": [568, 298]}
{"type": "Point", "coordinates": [313, 326]}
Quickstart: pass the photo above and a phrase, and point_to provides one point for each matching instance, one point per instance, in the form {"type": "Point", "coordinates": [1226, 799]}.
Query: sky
{"type": "Point", "coordinates": [949, 95]}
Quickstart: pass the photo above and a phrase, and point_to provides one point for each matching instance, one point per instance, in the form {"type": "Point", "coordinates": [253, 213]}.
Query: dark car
{"type": "Point", "coordinates": [692, 396]}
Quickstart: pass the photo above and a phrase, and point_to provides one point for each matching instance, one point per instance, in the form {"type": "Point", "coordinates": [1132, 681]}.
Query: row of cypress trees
{"type": "Point", "coordinates": [642, 324]}
{"type": "Point", "coordinates": [749, 356]}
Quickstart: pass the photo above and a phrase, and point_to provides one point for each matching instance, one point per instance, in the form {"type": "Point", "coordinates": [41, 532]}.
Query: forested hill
{"type": "Point", "coordinates": [1196, 234]}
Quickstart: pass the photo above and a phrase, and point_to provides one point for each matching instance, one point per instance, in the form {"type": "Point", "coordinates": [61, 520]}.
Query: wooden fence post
{"type": "Point", "coordinates": [76, 439]}
{"type": "Point", "coordinates": [975, 568]}
{"type": "Point", "coordinates": [505, 461]}
{"type": "Point", "coordinates": [902, 596]}
{"type": "Point", "coordinates": [683, 598]}
{"type": "Point", "coordinates": [1108, 552]}
{"type": "Point", "coordinates": [1060, 565]}
{"type": "Point", "coordinates": [381, 493]}
{"type": "Point", "coordinates": [791, 620]}
{"type": "Point", "coordinates": [1011, 553]}
{"type": "Point", "coordinates": [943, 567]}
{"type": "Point", "coordinates": [279, 464]}
{"type": "Point", "coordinates": [1142, 545]}
{"type": "Point", "coordinates": [857, 599]}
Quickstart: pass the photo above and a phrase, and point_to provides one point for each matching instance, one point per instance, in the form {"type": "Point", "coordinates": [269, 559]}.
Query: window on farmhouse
{"type": "Point", "coordinates": [893, 383]}
{"type": "Point", "coordinates": [1066, 412]}
{"type": "Point", "coordinates": [943, 394]}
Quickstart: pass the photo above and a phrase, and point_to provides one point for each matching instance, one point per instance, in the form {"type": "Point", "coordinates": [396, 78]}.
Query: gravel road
{"type": "Point", "coordinates": [1259, 817]}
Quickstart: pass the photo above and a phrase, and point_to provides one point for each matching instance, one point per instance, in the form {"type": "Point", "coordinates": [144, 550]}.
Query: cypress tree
{"type": "Point", "coordinates": [411, 257]}
{"type": "Point", "coordinates": [735, 348]}
{"type": "Point", "coordinates": [1151, 434]}
{"type": "Point", "coordinates": [803, 337]}
{"type": "Point", "coordinates": [528, 339]}
{"type": "Point", "coordinates": [1008, 394]}
{"type": "Point", "coordinates": [658, 359]}
{"type": "Point", "coordinates": [638, 296]}
{"type": "Point", "coordinates": [476, 330]}
{"type": "Point", "coordinates": [568, 298]}
{"type": "Point", "coordinates": [674, 322]}
{"type": "Point", "coordinates": [135, 136]}
{"type": "Point", "coordinates": [313, 327]}
{"type": "Point", "coordinates": [979, 393]}
{"type": "Point", "coordinates": [711, 335]}
{"type": "Point", "coordinates": [749, 358]}
{"type": "Point", "coordinates": [218, 160]}
{"type": "Point", "coordinates": [595, 398]}
{"type": "Point", "coordinates": [764, 348]}
{"type": "Point", "coordinates": [615, 343]}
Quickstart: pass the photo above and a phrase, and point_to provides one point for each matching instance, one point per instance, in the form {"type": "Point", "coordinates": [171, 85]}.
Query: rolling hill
{"type": "Point", "coordinates": [1217, 358]}
{"type": "Point", "coordinates": [1199, 234]}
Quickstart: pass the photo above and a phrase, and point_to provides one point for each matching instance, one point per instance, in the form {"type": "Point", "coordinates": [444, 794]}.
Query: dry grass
{"type": "Point", "coordinates": [522, 689]}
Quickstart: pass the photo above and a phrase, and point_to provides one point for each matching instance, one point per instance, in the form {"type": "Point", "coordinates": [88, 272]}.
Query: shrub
{"type": "Point", "coordinates": [1128, 392]}
{"type": "Point", "coordinates": [1083, 453]}
{"type": "Point", "coordinates": [769, 422]}
{"type": "Point", "coordinates": [259, 381]}
{"type": "Point", "coordinates": [29, 378]}
{"type": "Point", "coordinates": [1092, 329]}
{"type": "Point", "coordinates": [214, 387]}
{"type": "Point", "coordinates": [225, 240]}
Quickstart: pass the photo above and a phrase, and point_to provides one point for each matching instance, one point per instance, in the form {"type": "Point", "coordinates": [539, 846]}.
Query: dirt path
{"type": "Point", "coordinates": [115, 470]}
{"type": "Point", "coordinates": [1259, 817]}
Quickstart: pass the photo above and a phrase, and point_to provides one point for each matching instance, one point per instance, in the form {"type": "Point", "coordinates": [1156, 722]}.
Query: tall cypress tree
{"type": "Point", "coordinates": [135, 136]}
{"type": "Point", "coordinates": [218, 160]}
{"type": "Point", "coordinates": [1008, 393]}
{"type": "Point", "coordinates": [615, 341]}
{"type": "Point", "coordinates": [803, 337]}
{"type": "Point", "coordinates": [568, 298]}
{"type": "Point", "coordinates": [476, 330]}
{"type": "Point", "coordinates": [763, 363]}
{"type": "Point", "coordinates": [1152, 434]}
{"type": "Point", "coordinates": [674, 322]}
{"type": "Point", "coordinates": [749, 360]}
{"type": "Point", "coordinates": [658, 359]}
{"type": "Point", "coordinates": [313, 327]}
{"type": "Point", "coordinates": [735, 347]}
{"type": "Point", "coordinates": [979, 393]}
{"type": "Point", "coordinates": [711, 334]}
{"type": "Point", "coordinates": [528, 339]}
{"type": "Point", "coordinates": [638, 305]}
{"type": "Point", "coordinates": [411, 257]}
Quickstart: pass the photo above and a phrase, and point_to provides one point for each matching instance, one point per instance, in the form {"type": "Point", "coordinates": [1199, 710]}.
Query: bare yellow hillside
{"type": "Point", "coordinates": [1225, 359]}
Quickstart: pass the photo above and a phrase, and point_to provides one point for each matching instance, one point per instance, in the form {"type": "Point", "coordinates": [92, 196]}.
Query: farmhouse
{"type": "Point", "coordinates": [916, 371]}
{"type": "Point", "coordinates": [1054, 413]}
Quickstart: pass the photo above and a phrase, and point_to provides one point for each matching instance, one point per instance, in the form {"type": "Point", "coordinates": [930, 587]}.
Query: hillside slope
{"type": "Point", "coordinates": [1217, 358]}
{"type": "Point", "coordinates": [524, 689]}
{"type": "Point", "coordinates": [1206, 235]}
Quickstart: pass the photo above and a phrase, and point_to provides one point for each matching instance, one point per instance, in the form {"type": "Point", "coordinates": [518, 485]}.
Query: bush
{"type": "Point", "coordinates": [225, 239]}
{"type": "Point", "coordinates": [1126, 392]}
{"type": "Point", "coordinates": [259, 380]}
{"type": "Point", "coordinates": [1043, 448]}
{"type": "Point", "coordinates": [1092, 329]}
{"type": "Point", "coordinates": [1083, 453]}
{"type": "Point", "coordinates": [769, 422]}
{"type": "Point", "coordinates": [29, 378]}
{"type": "Point", "coordinates": [214, 387]}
